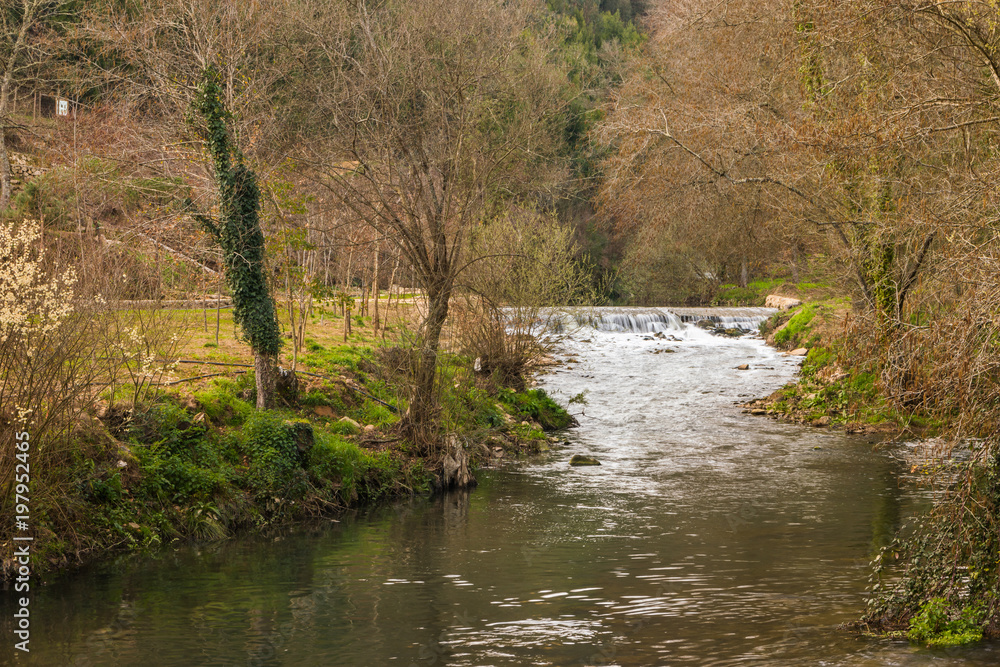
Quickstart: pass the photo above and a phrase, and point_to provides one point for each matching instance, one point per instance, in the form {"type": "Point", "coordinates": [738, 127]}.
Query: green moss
{"type": "Point", "coordinates": [371, 412]}
{"type": "Point", "coordinates": [738, 296]}
{"type": "Point", "coordinates": [938, 625]}
{"type": "Point", "coordinates": [221, 404]}
{"type": "Point", "coordinates": [340, 358]}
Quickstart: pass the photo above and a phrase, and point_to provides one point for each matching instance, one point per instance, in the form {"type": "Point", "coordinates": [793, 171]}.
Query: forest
{"type": "Point", "coordinates": [264, 261]}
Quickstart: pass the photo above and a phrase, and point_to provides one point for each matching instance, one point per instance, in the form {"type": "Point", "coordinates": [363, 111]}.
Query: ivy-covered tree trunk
{"type": "Point", "coordinates": [239, 235]}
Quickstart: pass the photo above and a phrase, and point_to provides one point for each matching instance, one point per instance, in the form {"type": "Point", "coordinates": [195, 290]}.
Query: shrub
{"type": "Point", "coordinates": [935, 626]}
{"type": "Point", "coordinates": [274, 460]}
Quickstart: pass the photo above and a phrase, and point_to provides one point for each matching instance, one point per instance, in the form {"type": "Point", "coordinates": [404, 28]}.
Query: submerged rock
{"type": "Point", "coordinates": [581, 460]}
{"type": "Point", "coordinates": [743, 367]}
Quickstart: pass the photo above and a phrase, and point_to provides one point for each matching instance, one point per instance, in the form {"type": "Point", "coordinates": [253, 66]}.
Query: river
{"type": "Point", "coordinates": [706, 537]}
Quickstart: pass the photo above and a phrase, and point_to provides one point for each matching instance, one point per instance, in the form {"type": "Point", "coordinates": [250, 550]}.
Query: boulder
{"type": "Point", "coordinates": [743, 367]}
{"type": "Point", "coordinates": [799, 352]}
{"type": "Point", "coordinates": [581, 460]}
{"type": "Point", "coordinates": [781, 302]}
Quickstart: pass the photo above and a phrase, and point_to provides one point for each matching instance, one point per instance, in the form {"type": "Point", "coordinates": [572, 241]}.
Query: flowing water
{"type": "Point", "coordinates": [706, 537]}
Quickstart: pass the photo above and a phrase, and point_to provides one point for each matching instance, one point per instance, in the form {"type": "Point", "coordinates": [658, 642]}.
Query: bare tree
{"type": "Point", "coordinates": [21, 52]}
{"type": "Point", "coordinates": [435, 113]}
{"type": "Point", "coordinates": [806, 116]}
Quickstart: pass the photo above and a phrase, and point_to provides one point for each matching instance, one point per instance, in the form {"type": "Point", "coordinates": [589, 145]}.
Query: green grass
{"type": "Point", "coordinates": [535, 404]}
{"type": "Point", "coordinates": [794, 332]}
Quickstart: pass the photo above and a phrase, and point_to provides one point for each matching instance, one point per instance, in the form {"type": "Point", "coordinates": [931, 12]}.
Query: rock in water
{"type": "Point", "coordinates": [581, 460]}
{"type": "Point", "coordinates": [743, 367]}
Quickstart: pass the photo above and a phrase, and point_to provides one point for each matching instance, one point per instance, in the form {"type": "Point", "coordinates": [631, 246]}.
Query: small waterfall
{"type": "Point", "coordinates": [653, 320]}
{"type": "Point", "coordinates": [633, 322]}
{"type": "Point", "coordinates": [747, 319]}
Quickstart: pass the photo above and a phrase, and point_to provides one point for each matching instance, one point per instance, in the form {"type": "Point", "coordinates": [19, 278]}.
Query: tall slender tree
{"type": "Point", "coordinates": [239, 234]}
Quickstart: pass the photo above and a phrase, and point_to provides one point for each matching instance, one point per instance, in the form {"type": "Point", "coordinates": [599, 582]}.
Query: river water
{"type": "Point", "coordinates": [706, 537]}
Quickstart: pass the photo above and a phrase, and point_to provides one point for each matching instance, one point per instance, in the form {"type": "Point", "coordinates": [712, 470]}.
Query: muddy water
{"type": "Point", "coordinates": [706, 537]}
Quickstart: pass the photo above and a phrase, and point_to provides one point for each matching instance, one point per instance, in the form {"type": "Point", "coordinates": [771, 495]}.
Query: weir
{"type": "Point", "coordinates": [746, 318]}
{"type": "Point", "coordinates": [654, 320]}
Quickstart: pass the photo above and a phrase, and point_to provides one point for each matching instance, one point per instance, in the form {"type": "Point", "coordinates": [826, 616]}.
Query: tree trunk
{"type": "Point", "coordinates": [420, 416]}
{"type": "Point", "coordinates": [266, 372]}
{"type": "Point", "coordinates": [375, 291]}
{"type": "Point", "coordinates": [392, 282]}
{"type": "Point", "coordinates": [5, 186]}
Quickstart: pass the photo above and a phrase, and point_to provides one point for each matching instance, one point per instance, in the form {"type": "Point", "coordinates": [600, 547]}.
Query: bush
{"type": "Point", "coordinates": [274, 460]}
{"type": "Point", "coordinates": [179, 460]}
{"type": "Point", "coordinates": [934, 626]}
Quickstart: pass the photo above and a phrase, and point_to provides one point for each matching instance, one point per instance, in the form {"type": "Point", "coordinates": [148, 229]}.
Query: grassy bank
{"type": "Point", "coordinates": [192, 459]}
{"type": "Point", "coordinates": [936, 583]}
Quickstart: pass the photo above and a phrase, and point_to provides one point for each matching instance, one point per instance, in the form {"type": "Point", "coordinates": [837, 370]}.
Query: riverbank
{"type": "Point", "coordinates": [186, 457]}
{"type": "Point", "coordinates": [935, 582]}
{"type": "Point", "coordinates": [831, 390]}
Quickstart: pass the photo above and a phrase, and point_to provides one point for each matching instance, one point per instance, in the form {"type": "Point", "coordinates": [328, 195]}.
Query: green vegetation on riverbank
{"type": "Point", "coordinates": [202, 463]}
{"type": "Point", "coordinates": [936, 582]}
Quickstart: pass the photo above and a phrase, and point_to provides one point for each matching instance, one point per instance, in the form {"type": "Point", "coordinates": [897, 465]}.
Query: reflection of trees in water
{"type": "Point", "coordinates": [888, 513]}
